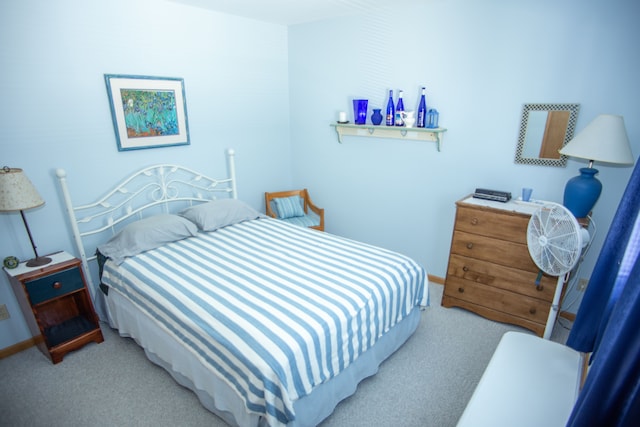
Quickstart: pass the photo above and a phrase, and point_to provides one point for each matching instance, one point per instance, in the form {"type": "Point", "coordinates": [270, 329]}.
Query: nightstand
{"type": "Point", "coordinates": [56, 305]}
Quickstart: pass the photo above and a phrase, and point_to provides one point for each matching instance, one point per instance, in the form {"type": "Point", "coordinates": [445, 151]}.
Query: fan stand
{"type": "Point", "coordinates": [545, 226]}
{"type": "Point", "coordinates": [555, 307]}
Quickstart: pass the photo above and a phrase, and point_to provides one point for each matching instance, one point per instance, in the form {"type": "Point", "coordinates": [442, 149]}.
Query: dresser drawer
{"type": "Point", "coordinates": [54, 285]}
{"type": "Point", "coordinates": [513, 304]}
{"type": "Point", "coordinates": [499, 276]}
{"type": "Point", "coordinates": [510, 254]}
{"type": "Point", "coordinates": [506, 226]}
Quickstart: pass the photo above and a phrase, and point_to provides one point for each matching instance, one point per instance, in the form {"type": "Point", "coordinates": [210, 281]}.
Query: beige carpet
{"type": "Point", "coordinates": [427, 382]}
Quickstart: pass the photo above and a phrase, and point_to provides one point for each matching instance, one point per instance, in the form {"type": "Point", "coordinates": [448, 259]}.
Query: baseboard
{"type": "Point", "coordinates": [18, 347]}
{"type": "Point", "coordinates": [436, 279]}
{"type": "Point", "coordinates": [568, 315]}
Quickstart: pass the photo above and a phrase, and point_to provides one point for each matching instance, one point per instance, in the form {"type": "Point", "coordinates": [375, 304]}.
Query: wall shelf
{"type": "Point", "coordinates": [415, 134]}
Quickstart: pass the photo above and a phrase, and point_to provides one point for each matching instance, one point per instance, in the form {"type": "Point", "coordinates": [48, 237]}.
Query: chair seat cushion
{"type": "Point", "coordinates": [309, 220]}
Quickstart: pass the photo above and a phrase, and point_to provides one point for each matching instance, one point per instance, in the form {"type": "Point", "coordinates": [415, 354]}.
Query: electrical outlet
{"type": "Point", "coordinates": [4, 313]}
{"type": "Point", "coordinates": [582, 284]}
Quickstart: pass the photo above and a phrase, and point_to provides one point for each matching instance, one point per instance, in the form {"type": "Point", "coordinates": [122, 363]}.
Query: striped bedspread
{"type": "Point", "coordinates": [272, 309]}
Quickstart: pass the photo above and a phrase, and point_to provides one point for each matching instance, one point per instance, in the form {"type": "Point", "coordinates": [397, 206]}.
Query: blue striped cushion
{"type": "Point", "coordinates": [288, 207]}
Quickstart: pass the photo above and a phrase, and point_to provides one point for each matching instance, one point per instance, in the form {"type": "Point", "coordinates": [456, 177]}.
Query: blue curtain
{"type": "Point", "coordinates": [608, 323]}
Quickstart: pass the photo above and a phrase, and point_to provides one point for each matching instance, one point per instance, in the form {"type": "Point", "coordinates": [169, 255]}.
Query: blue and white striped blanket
{"type": "Point", "coordinates": [273, 309]}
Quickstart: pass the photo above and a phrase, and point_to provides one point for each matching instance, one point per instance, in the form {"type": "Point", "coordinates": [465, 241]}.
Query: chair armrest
{"type": "Point", "coordinates": [268, 210]}
{"type": "Point", "coordinates": [318, 211]}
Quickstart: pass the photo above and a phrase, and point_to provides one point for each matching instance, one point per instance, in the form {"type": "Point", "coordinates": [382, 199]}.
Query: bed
{"type": "Point", "coordinates": [268, 323]}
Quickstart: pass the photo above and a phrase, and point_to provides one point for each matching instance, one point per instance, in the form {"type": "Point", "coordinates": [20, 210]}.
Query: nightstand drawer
{"type": "Point", "coordinates": [54, 285]}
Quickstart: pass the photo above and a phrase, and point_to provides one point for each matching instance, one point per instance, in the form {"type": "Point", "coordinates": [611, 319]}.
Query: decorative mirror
{"type": "Point", "coordinates": [545, 129]}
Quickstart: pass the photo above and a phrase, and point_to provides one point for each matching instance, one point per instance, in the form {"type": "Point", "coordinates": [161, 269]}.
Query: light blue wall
{"type": "Point", "coordinates": [55, 111]}
{"type": "Point", "coordinates": [480, 61]}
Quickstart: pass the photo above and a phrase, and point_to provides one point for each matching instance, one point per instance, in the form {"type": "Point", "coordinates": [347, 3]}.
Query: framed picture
{"type": "Point", "coordinates": [147, 112]}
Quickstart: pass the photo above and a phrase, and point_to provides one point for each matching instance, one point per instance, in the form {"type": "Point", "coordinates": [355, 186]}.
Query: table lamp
{"type": "Point", "coordinates": [17, 193]}
{"type": "Point", "coordinates": [603, 140]}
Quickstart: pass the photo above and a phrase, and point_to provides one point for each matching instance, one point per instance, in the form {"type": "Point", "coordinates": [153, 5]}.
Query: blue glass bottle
{"type": "Point", "coordinates": [391, 111]}
{"type": "Point", "coordinates": [399, 110]}
{"type": "Point", "coordinates": [422, 110]}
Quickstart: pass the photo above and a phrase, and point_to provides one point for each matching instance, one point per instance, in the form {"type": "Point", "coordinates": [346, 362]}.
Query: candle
{"type": "Point", "coordinates": [342, 116]}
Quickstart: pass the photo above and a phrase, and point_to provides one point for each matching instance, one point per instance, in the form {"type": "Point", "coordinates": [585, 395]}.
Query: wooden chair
{"type": "Point", "coordinates": [308, 215]}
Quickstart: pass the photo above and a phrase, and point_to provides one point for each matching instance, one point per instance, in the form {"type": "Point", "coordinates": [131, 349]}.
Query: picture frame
{"type": "Point", "coordinates": [147, 112]}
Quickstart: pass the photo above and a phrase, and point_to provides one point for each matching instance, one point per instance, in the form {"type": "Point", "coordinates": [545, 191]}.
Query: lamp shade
{"type": "Point", "coordinates": [603, 140]}
{"type": "Point", "coordinates": [16, 191]}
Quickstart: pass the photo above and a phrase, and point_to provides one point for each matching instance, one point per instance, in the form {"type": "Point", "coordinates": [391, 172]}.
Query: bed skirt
{"type": "Point", "coordinates": [215, 395]}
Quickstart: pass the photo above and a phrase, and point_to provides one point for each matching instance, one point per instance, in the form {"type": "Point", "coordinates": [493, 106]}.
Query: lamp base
{"type": "Point", "coordinates": [38, 261]}
{"type": "Point", "coordinates": [582, 192]}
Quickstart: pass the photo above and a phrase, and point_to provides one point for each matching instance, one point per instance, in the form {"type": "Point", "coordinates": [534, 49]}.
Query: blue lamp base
{"type": "Point", "coordinates": [582, 192]}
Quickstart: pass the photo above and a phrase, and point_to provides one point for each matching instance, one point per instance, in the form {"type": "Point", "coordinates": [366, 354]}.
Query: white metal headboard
{"type": "Point", "coordinates": [160, 188]}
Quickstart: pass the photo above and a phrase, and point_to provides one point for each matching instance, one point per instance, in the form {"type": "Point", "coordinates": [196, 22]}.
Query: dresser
{"type": "Point", "coordinates": [490, 271]}
{"type": "Point", "coordinates": [56, 305]}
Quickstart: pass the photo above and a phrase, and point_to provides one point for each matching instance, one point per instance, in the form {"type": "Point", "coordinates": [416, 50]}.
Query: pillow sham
{"type": "Point", "coordinates": [221, 213]}
{"type": "Point", "coordinates": [288, 207]}
{"type": "Point", "coordinates": [147, 234]}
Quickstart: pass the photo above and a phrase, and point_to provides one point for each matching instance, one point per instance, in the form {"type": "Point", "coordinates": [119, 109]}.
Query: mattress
{"type": "Point", "coordinates": [270, 310]}
{"type": "Point", "coordinates": [216, 396]}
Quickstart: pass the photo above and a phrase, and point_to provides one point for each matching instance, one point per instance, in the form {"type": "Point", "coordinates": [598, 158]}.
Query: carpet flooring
{"type": "Point", "coordinates": [427, 382]}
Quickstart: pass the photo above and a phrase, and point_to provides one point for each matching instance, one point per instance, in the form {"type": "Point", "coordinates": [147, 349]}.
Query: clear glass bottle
{"type": "Point", "coordinates": [432, 118]}
{"type": "Point", "coordinates": [422, 110]}
{"type": "Point", "coordinates": [399, 110]}
{"type": "Point", "coordinates": [391, 111]}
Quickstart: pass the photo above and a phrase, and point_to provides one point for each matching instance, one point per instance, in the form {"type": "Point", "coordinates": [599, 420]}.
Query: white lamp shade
{"type": "Point", "coordinates": [16, 191]}
{"type": "Point", "coordinates": [603, 140]}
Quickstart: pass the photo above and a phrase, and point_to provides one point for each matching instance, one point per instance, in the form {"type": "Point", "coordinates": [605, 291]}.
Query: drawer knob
{"type": "Point", "coordinates": [56, 285]}
{"type": "Point", "coordinates": [474, 221]}
{"type": "Point", "coordinates": [465, 268]}
{"type": "Point", "coordinates": [461, 290]}
{"type": "Point", "coordinates": [469, 245]}
{"type": "Point", "coordinates": [532, 310]}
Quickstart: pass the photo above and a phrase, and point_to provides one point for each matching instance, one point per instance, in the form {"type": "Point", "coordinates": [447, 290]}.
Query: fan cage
{"type": "Point", "coordinates": [554, 238]}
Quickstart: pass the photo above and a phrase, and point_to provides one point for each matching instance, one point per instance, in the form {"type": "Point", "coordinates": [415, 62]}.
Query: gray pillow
{"type": "Point", "coordinates": [147, 234]}
{"type": "Point", "coordinates": [216, 214]}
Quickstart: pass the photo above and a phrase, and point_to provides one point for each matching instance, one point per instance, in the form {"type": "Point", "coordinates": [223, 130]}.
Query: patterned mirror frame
{"type": "Point", "coordinates": [571, 125]}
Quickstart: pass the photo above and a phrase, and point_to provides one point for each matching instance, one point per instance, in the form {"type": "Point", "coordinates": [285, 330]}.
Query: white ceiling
{"type": "Point", "coordinates": [289, 12]}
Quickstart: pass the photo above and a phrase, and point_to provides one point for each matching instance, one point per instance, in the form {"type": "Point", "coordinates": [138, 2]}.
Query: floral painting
{"type": "Point", "coordinates": [147, 112]}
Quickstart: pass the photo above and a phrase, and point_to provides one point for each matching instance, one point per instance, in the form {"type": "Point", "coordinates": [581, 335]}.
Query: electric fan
{"type": "Point", "coordinates": [555, 240]}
